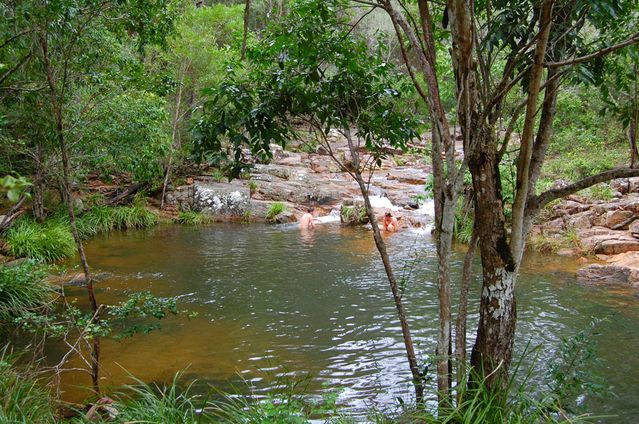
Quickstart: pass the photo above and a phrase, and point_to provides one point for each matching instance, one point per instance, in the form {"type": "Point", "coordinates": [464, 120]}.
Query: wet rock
{"type": "Point", "coordinates": [75, 279]}
{"type": "Point", "coordinates": [616, 246]}
{"type": "Point", "coordinates": [285, 217]}
{"type": "Point", "coordinates": [408, 176]}
{"type": "Point", "coordinates": [274, 170]}
{"type": "Point", "coordinates": [555, 226]}
{"type": "Point", "coordinates": [293, 160]}
{"type": "Point", "coordinates": [608, 275]}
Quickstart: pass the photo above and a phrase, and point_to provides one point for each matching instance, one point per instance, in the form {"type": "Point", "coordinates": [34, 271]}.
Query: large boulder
{"type": "Point", "coordinates": [221, 200]}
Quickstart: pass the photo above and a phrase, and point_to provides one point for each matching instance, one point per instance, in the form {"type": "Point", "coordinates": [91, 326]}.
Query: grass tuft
{"type": "Point", "coordinates": [192, 218]}
{"type": "Point", "coordinates": [23, 399]}
{"type": "Point", "coordinates": [48, 242]}
{"type": "Point", "coordinates": [102, 219]}
{"type": "Point", "coordinates": [158, 404]}
{"type": "Point", "coordinates": [274, 210]}
{"type": "Point", "coordinates": [22, 289]}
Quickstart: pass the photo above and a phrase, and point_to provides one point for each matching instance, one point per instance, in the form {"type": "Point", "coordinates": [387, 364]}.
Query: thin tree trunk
{"type": "Point", "coordinates": [176, 119]}
{"type": "Point", "coordinates": [13, 212]}
{"type": "Point", "coordinates": [462, 314]}
{"type": "Point", "coordinates": [418, 378]}
{"type": "Point", "coordinates": [444, 339]}
{"type": "Point", "coordinates": [247, 11]}
{"type": "Point", "coordinates": [526, 149]}
{"type": "Point", "coordinates": [56, 107]}
{"type": "Point", "coordinates": [444, 184]}
{"type": "Point", "coordinates": [632, 130]}
{"type": "Point", "coordinates": [38, 185]}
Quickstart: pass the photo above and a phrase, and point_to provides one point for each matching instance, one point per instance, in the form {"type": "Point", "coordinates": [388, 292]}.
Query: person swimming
{"type": "Point", "coordinates": [390, 222]}
{"type": "Point", "coordinates": [306, 220]}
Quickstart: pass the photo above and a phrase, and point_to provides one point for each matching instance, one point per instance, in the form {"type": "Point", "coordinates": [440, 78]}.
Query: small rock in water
{"type": "Point", "coordinates": [412, 205]}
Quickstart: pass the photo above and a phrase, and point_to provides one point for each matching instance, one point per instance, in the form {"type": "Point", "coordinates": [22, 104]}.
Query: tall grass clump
{"type": "Point", "coordinates": [46, 242]}
{"type": "Point", "coordinates": [192, 218]}
{"type": "Point", "coordinates": [23, 289]}
{"type": "Point", "coordinates": [158, 404]}
{"type": "Point", "coordinates": [22, 399]}
{"type": "Point", "coordinates": [274, 210]}
{"type": "Point", "coordinates": [103, 219]}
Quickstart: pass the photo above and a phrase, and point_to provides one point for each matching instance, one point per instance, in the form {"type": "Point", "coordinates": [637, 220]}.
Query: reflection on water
{"type": "Point", "coordinates": [308, 236]}
{"type": "Point", "coordinates": [274, 301]}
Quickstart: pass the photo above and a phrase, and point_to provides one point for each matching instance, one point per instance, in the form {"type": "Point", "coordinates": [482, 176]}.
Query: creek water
{"type": "Point", "coordinates": [274, 303]}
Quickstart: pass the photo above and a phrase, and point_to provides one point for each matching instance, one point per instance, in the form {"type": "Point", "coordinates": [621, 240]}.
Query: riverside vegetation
{"type": "Point", "coordinates": [108, 109]}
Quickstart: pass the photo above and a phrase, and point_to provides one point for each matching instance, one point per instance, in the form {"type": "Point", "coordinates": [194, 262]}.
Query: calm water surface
{"type": "Point", "coordinates": [275, 303]}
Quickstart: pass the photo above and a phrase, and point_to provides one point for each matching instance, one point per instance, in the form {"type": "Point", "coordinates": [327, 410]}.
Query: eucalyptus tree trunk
{"type": "Point", "coordinates": [493, 348]}
{"type": "Point", "coordinates": [174, 138]}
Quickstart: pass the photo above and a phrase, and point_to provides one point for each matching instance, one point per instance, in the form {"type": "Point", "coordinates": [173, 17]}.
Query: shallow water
{"type": "Point", "coordinates": [276, 303]}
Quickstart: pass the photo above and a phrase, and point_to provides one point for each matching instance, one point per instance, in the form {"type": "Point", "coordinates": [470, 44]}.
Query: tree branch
{"type": "Point", "coordinates": [557, 193]}
{"type": "Point", "coordinates": [630, 41]}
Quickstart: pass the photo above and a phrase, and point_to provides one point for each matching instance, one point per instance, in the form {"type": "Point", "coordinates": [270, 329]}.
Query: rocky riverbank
{"type": "Point", "coordinates": [298, 180]}
{"type": "Point", "coordinates": [604, 235]}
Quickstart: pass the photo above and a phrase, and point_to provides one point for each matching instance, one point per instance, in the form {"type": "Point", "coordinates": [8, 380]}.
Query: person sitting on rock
{"type": "Point", "coordinates": [306, 221]}
{"type": "Point", "coordinates": [390, 222]}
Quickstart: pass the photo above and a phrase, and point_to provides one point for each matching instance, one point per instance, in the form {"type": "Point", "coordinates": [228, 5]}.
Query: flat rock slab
{"type": "Point", "coordinates": [608, 275]}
